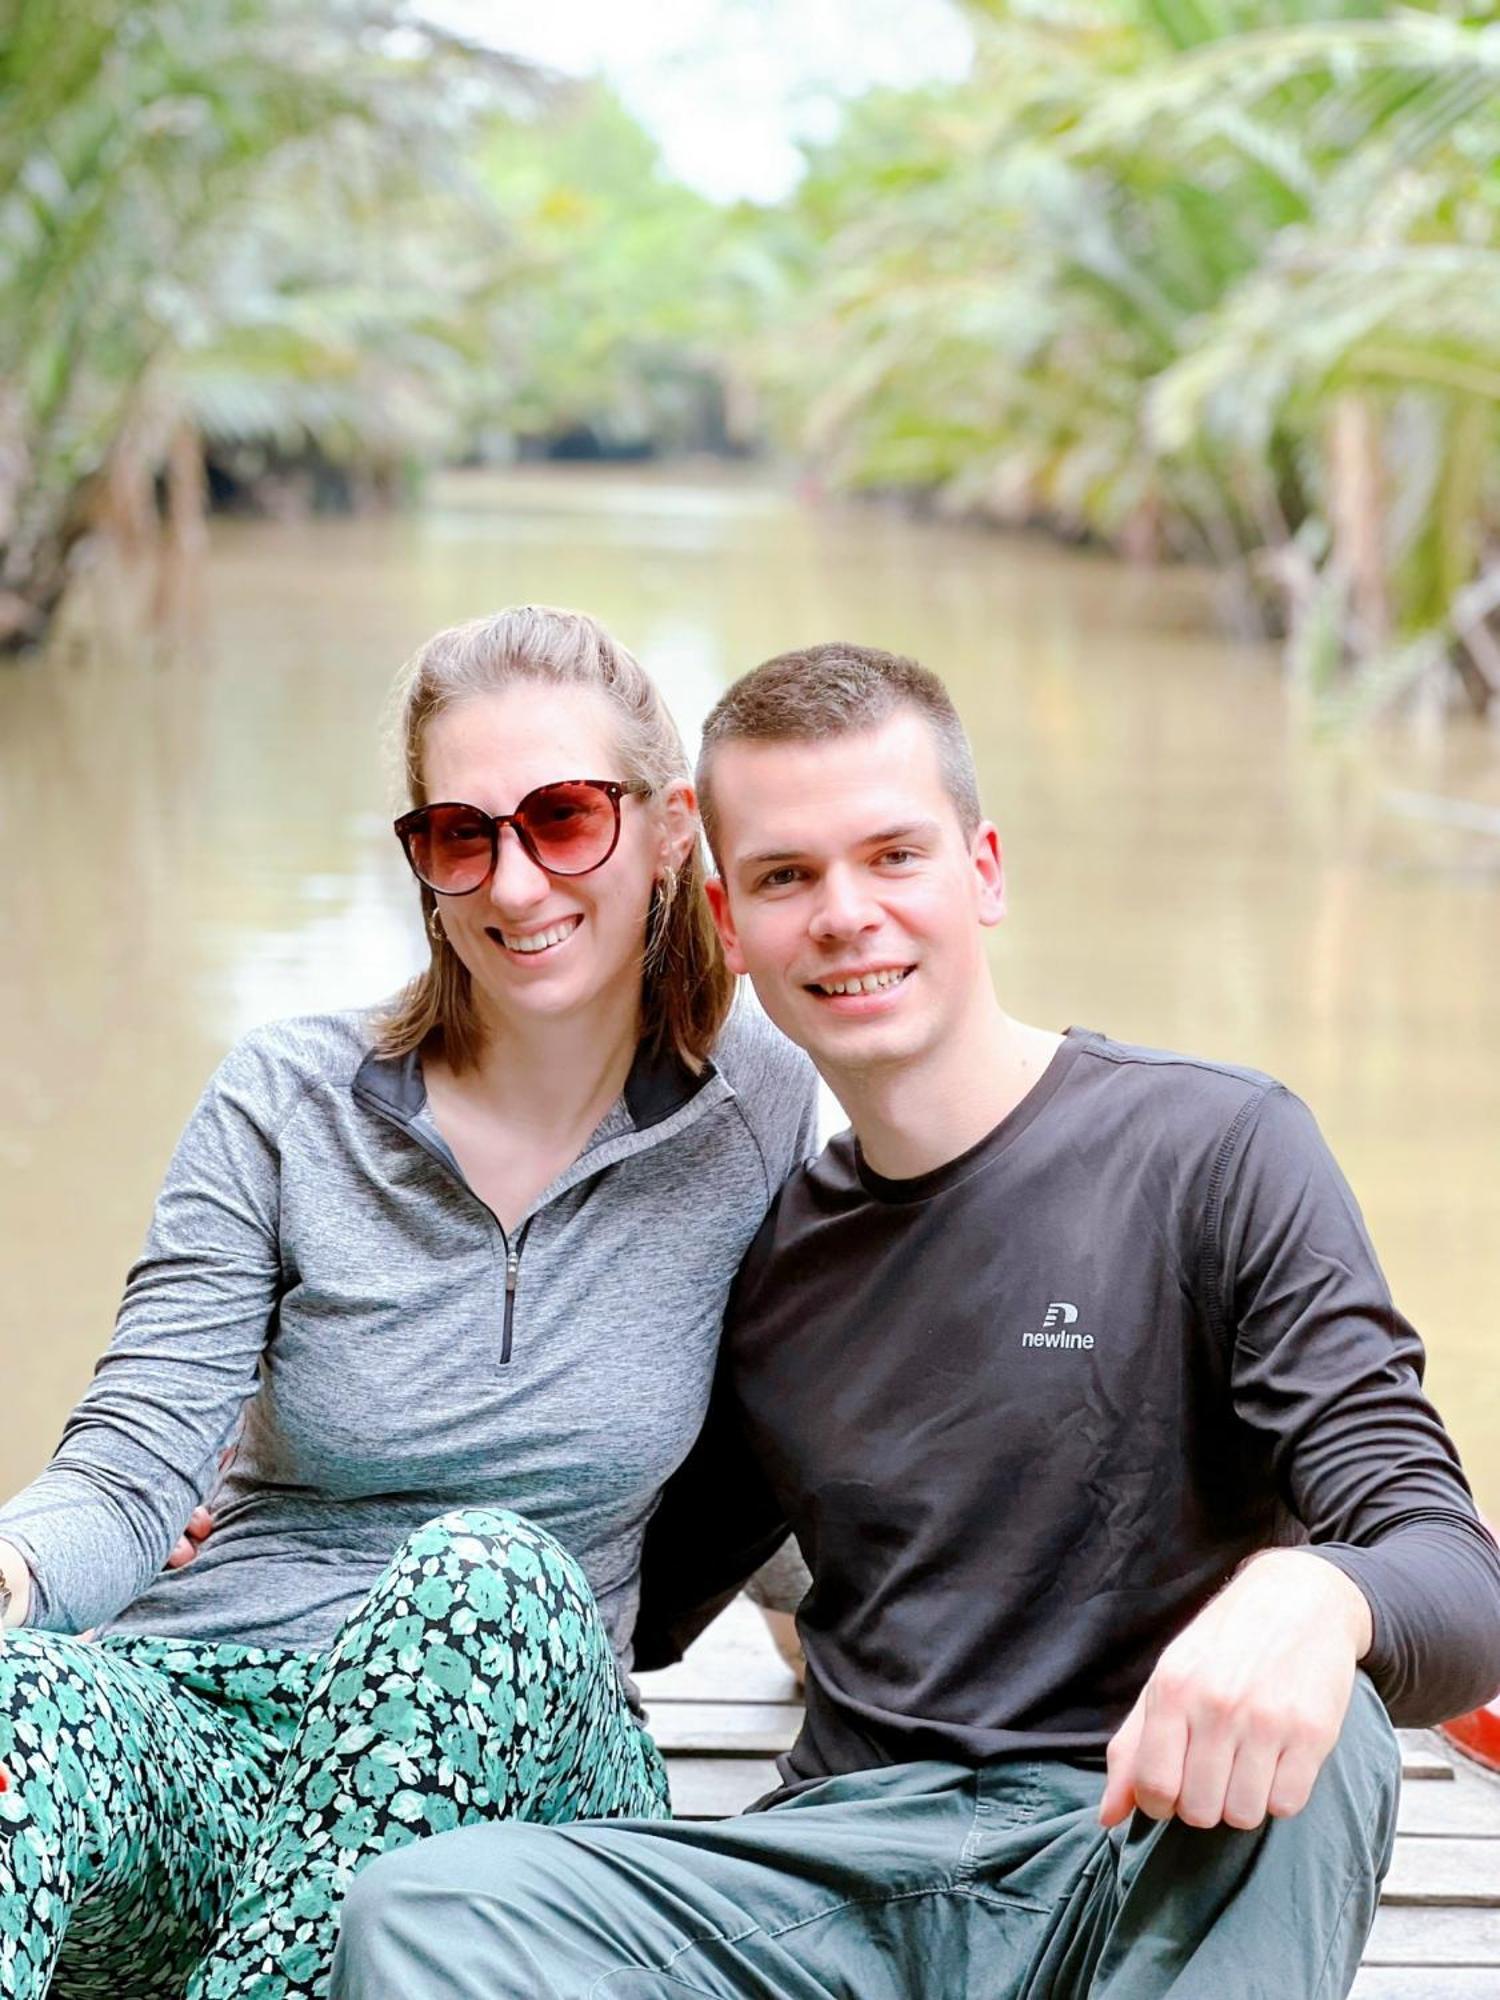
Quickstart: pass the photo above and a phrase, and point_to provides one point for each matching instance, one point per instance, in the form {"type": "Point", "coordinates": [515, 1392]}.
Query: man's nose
{"type": "Point", "coordinates": [518, 883]}
{"type": "Point", "coordinates": [844, 906]}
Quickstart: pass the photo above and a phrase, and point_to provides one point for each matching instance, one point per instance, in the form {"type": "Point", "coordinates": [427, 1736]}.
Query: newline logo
{"type": "Point", "coordinates": [1057, 1329]}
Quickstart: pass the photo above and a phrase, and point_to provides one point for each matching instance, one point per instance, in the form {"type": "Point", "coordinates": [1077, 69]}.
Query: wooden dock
{"type": "Point", "coordinates": [728, 1711]}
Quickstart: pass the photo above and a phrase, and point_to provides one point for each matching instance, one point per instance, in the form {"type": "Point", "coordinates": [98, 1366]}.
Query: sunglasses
{"type": "Point", "coordinates": [569, 828]}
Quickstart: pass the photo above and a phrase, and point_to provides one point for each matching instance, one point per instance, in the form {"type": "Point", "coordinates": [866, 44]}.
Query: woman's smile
{"type": "Point", "coordinates": [535, 944]}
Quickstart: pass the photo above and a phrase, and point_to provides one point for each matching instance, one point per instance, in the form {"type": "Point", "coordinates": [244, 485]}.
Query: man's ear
{"type": "Point", "coordinates": [718, 902]}
{"type": "Point", "coordinates": [988, 860]}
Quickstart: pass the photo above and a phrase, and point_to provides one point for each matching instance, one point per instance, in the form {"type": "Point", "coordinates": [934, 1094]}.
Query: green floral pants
{"type": "Point", "coordinates": [183, 1819]}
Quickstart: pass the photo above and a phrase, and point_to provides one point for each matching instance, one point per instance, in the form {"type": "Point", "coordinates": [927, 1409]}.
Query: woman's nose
{"type": "Point", "coordinates": [518, 883]}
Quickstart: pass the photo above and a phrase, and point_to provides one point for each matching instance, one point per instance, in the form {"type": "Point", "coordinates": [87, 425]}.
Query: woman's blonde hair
{"type": "Point", "coordinates": [686, 988]}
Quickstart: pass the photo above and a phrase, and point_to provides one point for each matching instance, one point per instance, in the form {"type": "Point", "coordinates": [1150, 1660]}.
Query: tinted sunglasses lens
{"type": "Point", "coordinates": [571, 827]}
{"type": "Point", "coordinates": [450, 847]}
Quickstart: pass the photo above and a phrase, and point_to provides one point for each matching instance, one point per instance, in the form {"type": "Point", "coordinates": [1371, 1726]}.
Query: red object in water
{"type": "Point", "coordinates": [1477, 1735]}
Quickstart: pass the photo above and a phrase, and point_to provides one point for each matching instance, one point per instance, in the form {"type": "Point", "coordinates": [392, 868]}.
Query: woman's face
{"type": "Point", "coordinates": [490, 750]}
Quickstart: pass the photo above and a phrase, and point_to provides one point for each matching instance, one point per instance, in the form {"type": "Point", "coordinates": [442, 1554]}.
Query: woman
{"type": "Point", "coordinates": [455, 1272]}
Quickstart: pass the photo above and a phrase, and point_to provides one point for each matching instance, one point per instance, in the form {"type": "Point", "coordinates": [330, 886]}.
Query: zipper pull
{"type": "Point", "coordinates": [512, 1267]}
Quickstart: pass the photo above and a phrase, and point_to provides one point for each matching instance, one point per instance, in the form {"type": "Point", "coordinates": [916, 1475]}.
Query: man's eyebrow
{"type": "Point", "coordinates": [917, 829]}
{"type": "Point", "coordinates": [914, 829]}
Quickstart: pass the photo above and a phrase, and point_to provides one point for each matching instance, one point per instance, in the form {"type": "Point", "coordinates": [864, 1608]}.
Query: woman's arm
{"type": "Point", "coordinates": [141, 1448]}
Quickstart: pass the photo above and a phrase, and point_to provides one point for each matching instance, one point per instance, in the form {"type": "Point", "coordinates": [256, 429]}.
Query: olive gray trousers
{"type": "Point", "coordinates": [923, 1881]}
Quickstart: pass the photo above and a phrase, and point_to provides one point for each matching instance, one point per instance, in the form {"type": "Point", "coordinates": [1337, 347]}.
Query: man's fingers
{"type": "Point", "coordinates": [1247, 1795]}
{"type": "Point", "coordinates": [200, 1525]}
{"type": "Point", "coordinates": [1296, 1773]}
{"type": "Point", "coordinates": [1119, 1793]}
{"type": "Point", "coordinates": [1206, 1767]}
{"type": "Point", "coordinates": [1159, 1760]}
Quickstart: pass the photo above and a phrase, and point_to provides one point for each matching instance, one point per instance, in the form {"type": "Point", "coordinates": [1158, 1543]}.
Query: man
{"type": "Point", "coordinates": [1051, 1364]}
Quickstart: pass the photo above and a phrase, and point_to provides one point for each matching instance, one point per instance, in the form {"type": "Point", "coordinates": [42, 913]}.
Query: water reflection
{"type": "Point", "coordinates": [197, 837]}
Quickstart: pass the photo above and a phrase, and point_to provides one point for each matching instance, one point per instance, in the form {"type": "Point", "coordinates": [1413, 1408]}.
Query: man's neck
{"type": "Point", "coordinates": [912, 1117]}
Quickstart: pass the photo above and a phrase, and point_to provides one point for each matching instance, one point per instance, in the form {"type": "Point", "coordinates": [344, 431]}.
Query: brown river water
{"type": "Point", "coordinates": [196, 838]}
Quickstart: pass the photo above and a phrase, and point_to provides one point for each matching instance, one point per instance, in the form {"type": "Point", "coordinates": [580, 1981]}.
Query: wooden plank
{"type": "Point", "coordinates": [1445, 1871]}
{"type": "Point", "coordinates": [1468, 1805]}
{"type": "Point", "coordinates": [724, 1728]}
{"type": "Point", "coordinates": [1425, 1982]}
{"type": "Point", "coordinates": [735, 1656]}
{"type": "Point", "coordinates": [715, 1787]}
{"type": "Point", "coordinates": [1435, 1937]}
{"type": "Point", "coordinates": [1422, 1755]}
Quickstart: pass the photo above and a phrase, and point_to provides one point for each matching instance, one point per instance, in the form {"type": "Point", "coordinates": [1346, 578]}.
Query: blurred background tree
{"type": "Point", "coordinates": [244, 220]}
{"type": "Point", "coordinates": [1205, 277]}
{"type": "Point", "coordinates": [1209, 279]}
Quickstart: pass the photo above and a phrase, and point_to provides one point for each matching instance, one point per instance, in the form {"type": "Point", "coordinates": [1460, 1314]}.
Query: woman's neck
{"type": "Point", "coordinates": [556, 1076]}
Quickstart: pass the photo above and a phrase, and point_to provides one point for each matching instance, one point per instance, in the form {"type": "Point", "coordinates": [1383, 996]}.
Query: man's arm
{"type": "Point", "coordinates": [1399, 1577]}
{"type": "Point", "coordinates": [716, 1523]}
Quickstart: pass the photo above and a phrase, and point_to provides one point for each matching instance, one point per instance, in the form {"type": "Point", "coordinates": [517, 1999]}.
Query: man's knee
{"type": "Point", "coordinates": [1360, 1783]}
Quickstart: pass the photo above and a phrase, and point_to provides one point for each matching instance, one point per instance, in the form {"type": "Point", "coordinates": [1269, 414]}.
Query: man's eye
{"type": "Point", "coordinates": [898, 856]}
{"type": "Point", "coordinates": [778, 878]}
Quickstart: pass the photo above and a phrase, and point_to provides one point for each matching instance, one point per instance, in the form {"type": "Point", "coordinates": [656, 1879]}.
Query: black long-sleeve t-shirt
{"type": "Point", "coordinates": [1028, 1411]}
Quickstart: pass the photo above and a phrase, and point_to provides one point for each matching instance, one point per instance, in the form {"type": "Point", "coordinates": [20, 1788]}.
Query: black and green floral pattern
{"type": "Point", "coordinates": [183, 1819]}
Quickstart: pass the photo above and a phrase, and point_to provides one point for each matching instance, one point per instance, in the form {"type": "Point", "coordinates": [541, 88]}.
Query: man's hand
{"type": "Point", "coordinates": [1246, 1702]}
{"type": "Point", "coordinates": [200, 1525]}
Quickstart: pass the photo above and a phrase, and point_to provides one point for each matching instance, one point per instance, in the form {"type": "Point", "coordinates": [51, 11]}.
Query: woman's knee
{"type": "Point", "coordinates": [486, 1556]}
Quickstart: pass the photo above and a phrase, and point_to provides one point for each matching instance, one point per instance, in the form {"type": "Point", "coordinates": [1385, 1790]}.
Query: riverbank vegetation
{"type": "Point", "coordinates": [240, 221]}
{"type": "Point", "coordinates": [1210, 279]}
{"type": "Point", "coordinates": [1214, 279]}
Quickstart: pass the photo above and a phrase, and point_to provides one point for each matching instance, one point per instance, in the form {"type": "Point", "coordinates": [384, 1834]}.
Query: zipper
{"type": "Point", "coordinates": [512, 1274]}
{"type": "Point", "coordinates": [374, 1101]}
{"type": "Point", "coordinates": [449, 1166]}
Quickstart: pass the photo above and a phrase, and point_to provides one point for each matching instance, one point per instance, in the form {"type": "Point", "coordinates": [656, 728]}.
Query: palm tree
{"type": "Point", "coordinates": [184, 186]}
{"type": "Point", "coordinates": [1214, 278]}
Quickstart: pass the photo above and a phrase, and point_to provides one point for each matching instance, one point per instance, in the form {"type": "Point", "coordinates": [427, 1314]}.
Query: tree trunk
{"type": "Point", "coordinates": [1356, 508]}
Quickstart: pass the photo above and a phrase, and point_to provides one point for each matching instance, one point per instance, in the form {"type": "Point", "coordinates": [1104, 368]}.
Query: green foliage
{"type": "Point", "coordinates": [623, 291]}
{"type": "Point", "coordinates": [1214, 277]}
{"type": "Point", "coordinates": [1132, 274]}
{"type": "Point", "coordinates": [243, 212]}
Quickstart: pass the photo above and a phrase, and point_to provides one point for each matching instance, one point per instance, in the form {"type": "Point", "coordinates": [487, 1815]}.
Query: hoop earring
{"type": "Point", "coordinates": [434, 929]}
{"type": "Point", "coordinates": [663, 896]}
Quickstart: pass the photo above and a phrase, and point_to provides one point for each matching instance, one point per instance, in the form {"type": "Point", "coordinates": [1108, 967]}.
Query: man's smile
{"type": "Point", "coordinates": [847, 985]}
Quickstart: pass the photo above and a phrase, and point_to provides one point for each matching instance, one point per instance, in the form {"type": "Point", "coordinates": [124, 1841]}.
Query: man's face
{"type": "Point", "coordinates": [850, 894]}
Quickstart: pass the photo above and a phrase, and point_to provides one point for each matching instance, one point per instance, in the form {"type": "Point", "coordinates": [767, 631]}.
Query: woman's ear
{"type": "Point", "coordinates": [678, 808]}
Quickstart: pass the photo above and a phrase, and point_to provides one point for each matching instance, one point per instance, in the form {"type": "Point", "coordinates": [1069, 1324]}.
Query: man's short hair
{"type": "Point", "coordinates": [838, 690]}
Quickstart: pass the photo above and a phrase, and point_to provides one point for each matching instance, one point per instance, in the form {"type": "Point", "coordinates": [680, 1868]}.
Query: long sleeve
{"type": "Point", "coordinates": [1330, 1374]}
{"type": "Point", "coordinates": [141, 1448]}
{"type": "Point", "coordinates": [716, 1523]}
{"type": "Point", "coordinates": [717, 1520]}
